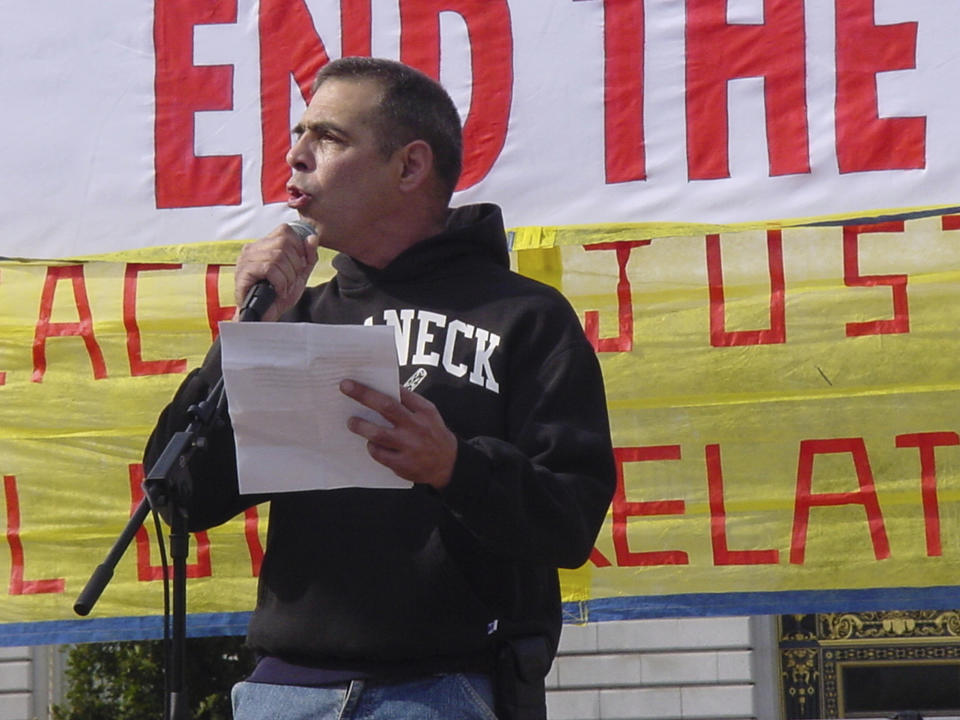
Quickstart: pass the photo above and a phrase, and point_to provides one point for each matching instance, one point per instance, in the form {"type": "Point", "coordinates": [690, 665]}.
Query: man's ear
{"type": "Point", "coordinates": [416, 165]}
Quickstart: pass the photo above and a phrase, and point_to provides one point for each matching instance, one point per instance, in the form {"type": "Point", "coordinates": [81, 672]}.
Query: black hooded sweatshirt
{"type": "Point", "coordinates": [401, 582]}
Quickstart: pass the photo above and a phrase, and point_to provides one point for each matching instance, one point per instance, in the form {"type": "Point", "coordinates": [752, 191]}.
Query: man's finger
{"type": "Point", "coordinates": [386, 406]}
{"type": "Point", "coordinates": [282, 259]}
{"type": "Point", "coordinates": [376, 434]}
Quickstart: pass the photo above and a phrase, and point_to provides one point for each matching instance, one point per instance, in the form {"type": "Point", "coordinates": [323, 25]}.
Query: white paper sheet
{"type": "Point", "coordinates": [289, 416]}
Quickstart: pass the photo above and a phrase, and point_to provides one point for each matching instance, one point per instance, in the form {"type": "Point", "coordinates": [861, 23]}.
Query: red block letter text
{"type": "Point", "coordinates": [777, 332]}
{"type": "Point", "coordinates": [251, 527]}
{"type": "Point", "coordinates": [623, 42]}
{"type": "Point", "coordinates": [289, 45]}
{"type": "Point", "coordinates": [356, 28]}
{"type": "Point", "coordinates": [926, 442]}
{"type": "Point", "coordinates": [806, 498]}
{"type": "Point", "coordinates": [19, 586]}
{"type": "Point", "coordinates": [139, 366]}
{"type": "Point", "coordinates": [215, 311]}
{"type": "Point", "coordinates": [900, 322]}
{"type": "Point", "coordinates": [865, 141]}
{"type": "Point", "coordinates": [491, 61]}
{"type": "Point", "coordinates": [722, 555]}
{"type": "Point", "coordinates": [718, 52]}
{"type": "Point", "coordinates": [591, 318]}
{"type": "Point", "coordinates": [622, 509]}
{"type": "Point", "coordinates": [83, 328]}
{"type": "Point", "coordinates": [182, 90]}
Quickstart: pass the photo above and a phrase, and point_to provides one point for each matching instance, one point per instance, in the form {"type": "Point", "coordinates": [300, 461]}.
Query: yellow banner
{"type": "Point", "coordinates": [783, 401]}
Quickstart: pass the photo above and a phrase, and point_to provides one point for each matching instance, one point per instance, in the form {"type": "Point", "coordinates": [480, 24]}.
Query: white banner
{"type": "Point", "coordinates": [136, 124]}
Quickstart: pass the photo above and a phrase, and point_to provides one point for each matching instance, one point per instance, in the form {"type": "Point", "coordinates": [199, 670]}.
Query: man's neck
{"type": "Point", "coordinates": [401, 237]}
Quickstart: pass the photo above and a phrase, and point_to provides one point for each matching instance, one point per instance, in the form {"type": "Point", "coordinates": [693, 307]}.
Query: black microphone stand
{"type": "Point", "coordinates": [166, 486]}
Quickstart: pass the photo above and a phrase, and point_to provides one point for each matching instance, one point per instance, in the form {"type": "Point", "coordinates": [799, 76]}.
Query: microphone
{"type": "Point", "coordinates": [302, 228]}
{"type": "Point", "coordinates": [262, 294]}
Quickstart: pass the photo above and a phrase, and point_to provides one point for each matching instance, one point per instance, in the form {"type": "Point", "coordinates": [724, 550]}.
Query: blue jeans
{"type": "Point", "coordinates": [443, 697]}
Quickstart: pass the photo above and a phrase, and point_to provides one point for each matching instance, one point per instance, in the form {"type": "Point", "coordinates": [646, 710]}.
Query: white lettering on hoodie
{"type": "Point", "coordinates": [435, 340]}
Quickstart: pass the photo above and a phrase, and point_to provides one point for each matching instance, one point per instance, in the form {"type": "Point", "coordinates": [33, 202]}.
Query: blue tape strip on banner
{"type": "Point", "coordinates": [64, 632]}
{"type": "Point", "coordinates": [761, 603]}
{"type": "Point", "coordinates": [869, 219]}
{"type": "Point", "coordinates": [61, 632]}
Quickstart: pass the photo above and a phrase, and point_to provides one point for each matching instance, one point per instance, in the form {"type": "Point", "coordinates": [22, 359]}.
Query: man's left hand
{"type": "Point", "coordinates": [418, 446]}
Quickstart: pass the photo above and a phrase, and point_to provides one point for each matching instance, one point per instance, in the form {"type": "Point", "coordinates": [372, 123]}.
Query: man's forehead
{"type": "Point", "coordinates": [349, 95]}
{"type": "Point", "coordinates": [339, 104]}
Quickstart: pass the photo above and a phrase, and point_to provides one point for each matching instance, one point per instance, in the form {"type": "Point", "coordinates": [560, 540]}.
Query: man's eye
{"type": "Point", "coordinates": [317, 135]}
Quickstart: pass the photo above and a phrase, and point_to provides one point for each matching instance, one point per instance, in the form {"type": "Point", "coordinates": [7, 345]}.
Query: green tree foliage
{"type": "Point", "coordinates": [124, 680]}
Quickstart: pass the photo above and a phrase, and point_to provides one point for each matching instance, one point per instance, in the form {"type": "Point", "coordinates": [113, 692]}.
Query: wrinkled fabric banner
{"type": "Point", "coordinates": [783, 406]}
{"type": "Point", "coordinates": [671, 114]}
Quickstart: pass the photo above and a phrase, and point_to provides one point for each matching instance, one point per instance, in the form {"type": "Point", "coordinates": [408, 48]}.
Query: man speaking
{"type": "Point", "coordinates": [441, 601]}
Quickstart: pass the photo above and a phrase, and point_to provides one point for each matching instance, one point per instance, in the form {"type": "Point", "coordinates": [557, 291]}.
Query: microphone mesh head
{"type": "Point", "coordinates": [302, 229]}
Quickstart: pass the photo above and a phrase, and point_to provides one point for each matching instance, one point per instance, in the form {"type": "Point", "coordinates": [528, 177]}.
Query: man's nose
{"type": "Point", "coordinates": [298, 156]}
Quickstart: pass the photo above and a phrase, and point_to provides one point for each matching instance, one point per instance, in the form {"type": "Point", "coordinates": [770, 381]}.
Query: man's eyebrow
{"type": "Point", "coordinates": [319, 127]}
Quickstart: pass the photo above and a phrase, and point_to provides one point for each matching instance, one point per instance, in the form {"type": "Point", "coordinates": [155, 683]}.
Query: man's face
{"type": "Point", "coordinates": [340, 180]}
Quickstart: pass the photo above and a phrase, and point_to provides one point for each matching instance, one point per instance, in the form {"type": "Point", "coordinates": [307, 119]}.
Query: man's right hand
{"type": "Point", "coordinates": [282, 259]}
